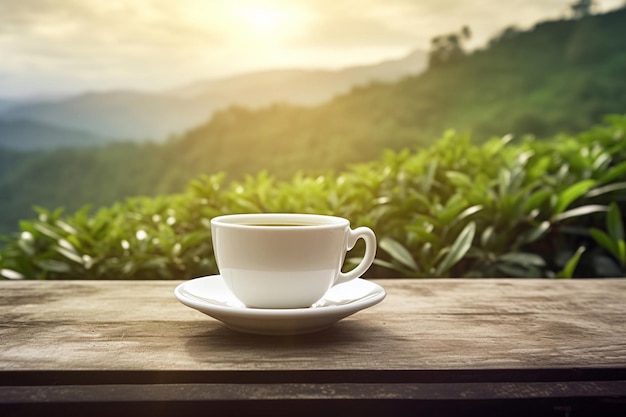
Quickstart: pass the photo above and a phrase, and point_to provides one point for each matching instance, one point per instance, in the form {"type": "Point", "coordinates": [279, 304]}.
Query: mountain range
{"type": "Point", "coordinates": [139, 116]}
{"type": "Point", "coordinates": [559, 76]}
{"type": "Point", "coordinates": [28, 135]}
{"type": "Point", "coordinates": [6, 105]}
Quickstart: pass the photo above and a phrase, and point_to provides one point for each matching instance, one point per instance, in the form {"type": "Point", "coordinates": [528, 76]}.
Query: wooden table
{"type": "Point", "coordinates": [437, 347]}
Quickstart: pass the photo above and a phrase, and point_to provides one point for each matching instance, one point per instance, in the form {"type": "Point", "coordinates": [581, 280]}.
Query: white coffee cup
{"type": "Point", "coordinates": [280, 260]}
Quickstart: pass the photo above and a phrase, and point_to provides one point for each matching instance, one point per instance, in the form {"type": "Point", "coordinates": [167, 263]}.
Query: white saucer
{"type": "Point", "coordinates": [210, 296]}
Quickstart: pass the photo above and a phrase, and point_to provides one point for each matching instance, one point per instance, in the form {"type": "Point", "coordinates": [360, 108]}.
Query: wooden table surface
{"type": "Point", "coordinates": [480, 342]}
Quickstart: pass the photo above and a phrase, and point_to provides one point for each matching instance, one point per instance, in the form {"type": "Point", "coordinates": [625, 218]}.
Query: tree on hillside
{"type": "Point", "coordinates": [507, 33]}
{"type": "Point", "coordinates": [448, 48]}
{"type": "Point", "coordinates": [582, 8]}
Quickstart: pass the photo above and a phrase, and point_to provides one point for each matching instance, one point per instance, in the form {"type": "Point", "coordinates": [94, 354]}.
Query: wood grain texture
{"type": "Point", "coordinates": [422, 325]}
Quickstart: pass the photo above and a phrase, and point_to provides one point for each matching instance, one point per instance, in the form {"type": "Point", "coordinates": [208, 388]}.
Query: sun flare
{"type": "Point", "coordinates": [262, 19]}
{"type": "Point", "coordinates": [270, 24]}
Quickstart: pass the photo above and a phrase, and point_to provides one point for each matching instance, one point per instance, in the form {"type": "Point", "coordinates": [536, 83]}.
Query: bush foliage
{"type": "Point", "coordinates": [507, 207]}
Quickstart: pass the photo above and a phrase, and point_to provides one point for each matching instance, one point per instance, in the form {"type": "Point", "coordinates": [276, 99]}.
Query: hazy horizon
{"type": "Point", "coordinates": [72, 46]}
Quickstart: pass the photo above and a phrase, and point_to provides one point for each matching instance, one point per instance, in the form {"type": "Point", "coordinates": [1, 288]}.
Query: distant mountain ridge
{"type": "Point", "coordinates": [301, 86]}
{"type": "Point", "coordinates": [27, 135]}
{"type": "Point", "coordinates": [116, 115]}
{"type": "Point", "coordinates": [7, 104]}
{"type": "Point", "coordinates": [139, 116]}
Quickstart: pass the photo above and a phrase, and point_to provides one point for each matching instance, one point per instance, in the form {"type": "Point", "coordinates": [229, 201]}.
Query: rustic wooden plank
{"type": "Point", "coordinates": [290, 391]}
{"type": "Point", "coordinates": [436, 347]}
{"type": "Point", "coordinates": [487, 399]}
{"type": "Point", "coordinates": [310, 376]}
{"type": "Point", "coordinates": [421, 325]}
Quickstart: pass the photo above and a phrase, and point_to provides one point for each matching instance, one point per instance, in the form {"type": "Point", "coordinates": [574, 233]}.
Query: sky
{"type": "Point", "coordinates": [50, 47]}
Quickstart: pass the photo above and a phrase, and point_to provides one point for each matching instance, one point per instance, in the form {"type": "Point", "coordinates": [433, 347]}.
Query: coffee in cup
{"type": "Point", "coordinates": [286, 260]}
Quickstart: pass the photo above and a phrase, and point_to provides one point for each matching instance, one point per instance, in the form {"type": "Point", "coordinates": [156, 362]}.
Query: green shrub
{"type": "Point", "coordinates": [520, 208]}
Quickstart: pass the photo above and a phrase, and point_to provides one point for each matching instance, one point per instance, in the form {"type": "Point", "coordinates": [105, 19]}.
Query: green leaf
{"type": "Point", "coordinates": [579, 211]}
{"type": "Point", "coordinates": [458, 249]}
{"type": "Point", "coordinates": [602, 161]}
{"type": "Point", "coordinates": [206, 223]}
{"type": "Point", "coordinates": [621, 250]}
{"type": "Point", "coordinates": [459, 179]}
{"type": "Point", "coordinates": [46, 230]}
{"type": "Point", "coordinates": [247, 205]}
{"type": "Point", "coordinates": [487, 235]}
{"type": "Point", "coordinates": [159, 263]}
{"type": "Point", "coordinates": [26, 244]}
{"type": "Point", "coordinates": [10, 274]}
{"type": "Point", "coordinates": [504, 182]}
{"type": "Point", "coordinates": [450, 212]}
{"type": "Point", "coordinates": [195, 239]}
{"type": "Point", "coordinates": [605, 241]}
{"type": "Point", "coordinates": [536, 199]}
{"type": "Point", "coordinates": [177, 249]}
{"type": "Point", "coordinates": [572, 193]}
{"type": "Point", "coordinates": [426, 251]}
{"type": "Point", "coordinates": [397, 252]}
{"type": "Point", "coordinates": [517, 270]}
{"type": "Point", "coordinates": [429, 179]}
{"type": "Point", "coordinates": [533, 234]}
{"type": "Point", "coordinates": [379, 262]}
{"type": "Point", "coordinates": [570, 266]}
{"type": "Point", "coordinates": [614, 222]}
{"type": "Point", "coordinates": [605, 266]}
{"type": "Point", "coordinates": [523, 258]}
{"type": "Point", "coordinates": [468, 212]}
{"type": "Point", "coordinates": [539, 167]}
{"type": "Point", "coordinates": [129, 267]}
{"type": "Point", "coordinates": [615, 172]}
{"type": "Point", "coordinates": [53, 266]}
{"type": "Point", "coordinates": [72, 256]}
{"type": "Point", "coordinates": [609, 188]}
{"type": "Point", "coordinates": [67, 228]}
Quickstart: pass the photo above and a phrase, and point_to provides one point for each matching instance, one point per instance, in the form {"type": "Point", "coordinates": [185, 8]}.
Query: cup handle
{"type": "Point", "coordinates": [369, 237]}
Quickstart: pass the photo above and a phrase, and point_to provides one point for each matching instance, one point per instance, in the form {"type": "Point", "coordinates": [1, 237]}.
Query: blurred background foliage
{"type": "Point", "coordinates": [505, 207]}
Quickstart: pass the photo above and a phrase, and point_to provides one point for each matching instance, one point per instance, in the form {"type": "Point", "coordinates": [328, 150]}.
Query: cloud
{"type": "Point", "coordinates": [91, 27]}
{"type": "Point", "coordinates": [77, 43]}
{"type": "Point", "coordinates": [352, 23]}
{"type": "Point", "coordinates": [97, 42]}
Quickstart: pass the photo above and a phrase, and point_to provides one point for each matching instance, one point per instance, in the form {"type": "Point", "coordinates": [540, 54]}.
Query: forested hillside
{"type": "Point", "coordinates": [560, 76]}
{"type": "Point", "coordinates": [31, 135]}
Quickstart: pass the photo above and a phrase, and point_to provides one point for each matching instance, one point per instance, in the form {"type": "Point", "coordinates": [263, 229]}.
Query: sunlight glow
{"type": "Point", "coordinates": [248, 24]}
{"type": "Point", "coordinates": [262, 19]}
{"type": "Point", "coordinates": [273, 25]}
